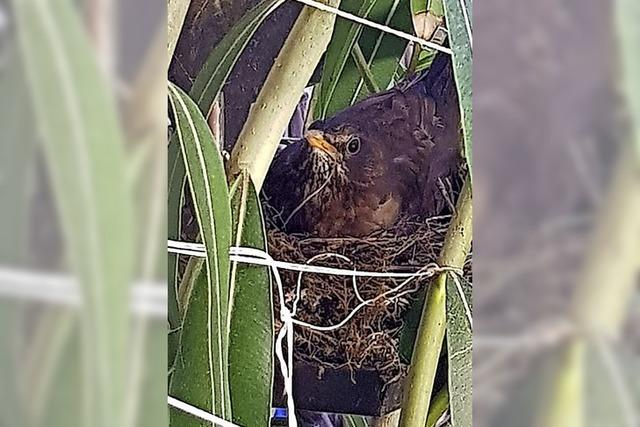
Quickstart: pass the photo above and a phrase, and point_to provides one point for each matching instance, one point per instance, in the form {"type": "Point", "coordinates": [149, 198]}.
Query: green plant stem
{"type": "Point", "coordinates": [439, 405]}
{"type": "Point", "coordinates": [285, 83]}
{"type": "Point", "coordinates": [611, 268]}
{"type": "Point", "coordinates": [365, 71]}
{"type": "Point", "coordinates": [433, 322]}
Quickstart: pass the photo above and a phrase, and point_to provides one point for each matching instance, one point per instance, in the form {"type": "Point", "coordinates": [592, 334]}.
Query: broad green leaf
{"type": "Point", "coordinates": [342, 84]}
{"type": "Point", "coordinates": [83, 143]}
{"type": "Point", "coordinates": [200, 373]}
{"type": "Point", "coordinates": [459, 349]}
{"type": "Point", "coordinates": [221, 60]}
{"type": "Point", "coordinates": [458, 16]}
{"type": "Point", "coordinates": [626, 15]}
{"type": "Point", "coordinates": [251, 323]}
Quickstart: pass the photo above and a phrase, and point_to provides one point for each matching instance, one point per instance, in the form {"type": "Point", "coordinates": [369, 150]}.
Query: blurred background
{"type": "Point", "coordinates": [82, 209]}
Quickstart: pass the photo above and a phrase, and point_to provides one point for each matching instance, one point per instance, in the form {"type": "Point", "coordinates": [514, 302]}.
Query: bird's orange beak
{"type": "Point", "coordinates": [316, 139]}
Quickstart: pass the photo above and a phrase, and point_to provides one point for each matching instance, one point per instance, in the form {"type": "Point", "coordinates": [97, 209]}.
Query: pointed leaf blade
{"type": "Point", "coordinates": [200, 374]}
{"type": "Point", "coordinates": [251, 330]}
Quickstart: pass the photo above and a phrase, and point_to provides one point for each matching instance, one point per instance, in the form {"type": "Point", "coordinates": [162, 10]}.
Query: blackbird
{"type": "Point", "coordinates": [362, 169]}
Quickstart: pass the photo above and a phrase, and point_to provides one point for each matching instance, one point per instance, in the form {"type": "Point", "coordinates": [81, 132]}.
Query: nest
{"type": "Point", "coordinates": [370, 340]}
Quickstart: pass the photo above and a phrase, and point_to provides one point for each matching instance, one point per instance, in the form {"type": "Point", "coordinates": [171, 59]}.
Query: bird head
{"type": "Point", "coordinates": [340, 151]}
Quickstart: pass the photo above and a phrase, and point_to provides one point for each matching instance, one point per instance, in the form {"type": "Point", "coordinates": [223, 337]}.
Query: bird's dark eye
{"type": "Point", "coordinates": [353, 146]}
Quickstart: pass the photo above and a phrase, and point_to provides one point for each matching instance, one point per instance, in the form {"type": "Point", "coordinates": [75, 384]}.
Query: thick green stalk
{"type": "Point", "coordinates": [433, 323]}
{"type": "Point", "coordinates": [611, 268]}
{"type": "Point", "coordinates": [277, 100]}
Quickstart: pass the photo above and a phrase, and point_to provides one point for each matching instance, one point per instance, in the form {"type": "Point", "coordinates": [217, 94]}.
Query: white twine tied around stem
{"type": "Point", "coordinates": [254, 256]}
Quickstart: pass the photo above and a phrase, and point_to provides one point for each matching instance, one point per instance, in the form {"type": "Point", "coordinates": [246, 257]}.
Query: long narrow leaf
{"type": "Point", "coordinates": [251, 321]}
{"type": "Point", "coordinates": [458, 15]}
{"type": "Point", "coordinates": [459, 347]}
{"type": "Point", "coordinates": [203, 342]}
{"type": "Point", "coordinates": [84, 149]}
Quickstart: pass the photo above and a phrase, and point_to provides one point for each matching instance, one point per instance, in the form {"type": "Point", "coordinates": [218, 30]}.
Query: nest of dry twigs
{"type": "Point", "coordinates": [370, 340]}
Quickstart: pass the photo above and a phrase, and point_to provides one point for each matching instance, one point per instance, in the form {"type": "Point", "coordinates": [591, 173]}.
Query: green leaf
{"type": "Point", "coordinates": [77, 118]}
{"type": "Point", "coordinates": [458, 16]}
{"type": "Point", "coordinates": [342, 84]}
{"type": "Point", "coordinates": [200, 374]}
{"type": "Point", "coordinates": [251, 323]}
{"type": "Point", "coordinates": [175, 188]}
{"type": "Point", "coordinates": [459, 349]}
{"type": "Point", "coordinates": [221, 60]}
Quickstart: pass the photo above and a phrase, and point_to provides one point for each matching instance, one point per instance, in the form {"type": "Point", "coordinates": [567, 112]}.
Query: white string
{"type": "Point", "coordinates": [465, 303]}
{"type": "Point", "coordinates": [199, 413]}
{"type": "Point", "coordinates": [256, 257]}
{"type": "Point", "coordinates": [384, 28]}
{"type": "Point", "coordinates": [147, 298]}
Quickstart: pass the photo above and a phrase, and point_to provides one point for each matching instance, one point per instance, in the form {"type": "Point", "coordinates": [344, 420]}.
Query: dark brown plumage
{"type": "Point", "coordinates": [362, 169]}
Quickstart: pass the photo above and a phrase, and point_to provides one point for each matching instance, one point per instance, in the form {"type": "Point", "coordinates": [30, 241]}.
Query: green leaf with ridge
{"type": "Point", "coordinates": [458, 17]}
{"type": "Point", "coordinates": [251, 322]}
{"type": "Point", "coordinates": [200, 372]}
{"type": "Point", "coordinates": [459, 350]}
